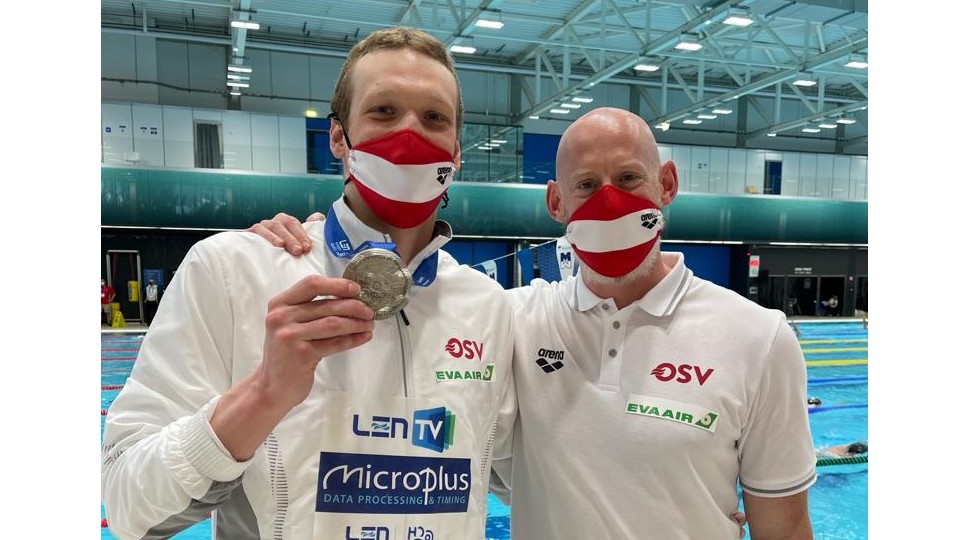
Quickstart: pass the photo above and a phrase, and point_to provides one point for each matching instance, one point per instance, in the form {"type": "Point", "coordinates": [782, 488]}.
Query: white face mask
{"type": "Point", "coordinates": [613, 232]}
{"type": "Point", "coordinates": [402, 176]}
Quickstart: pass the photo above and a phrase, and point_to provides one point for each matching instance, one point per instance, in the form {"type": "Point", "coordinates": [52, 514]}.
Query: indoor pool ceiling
{"type": "Point", "coordinates": [570, 46]}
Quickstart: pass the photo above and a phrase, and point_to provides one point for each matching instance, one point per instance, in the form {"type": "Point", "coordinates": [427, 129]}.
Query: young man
{"type": "Point", "coordinates": [298, 405]}
{"type": "Point", "coordinates": [665, 392]}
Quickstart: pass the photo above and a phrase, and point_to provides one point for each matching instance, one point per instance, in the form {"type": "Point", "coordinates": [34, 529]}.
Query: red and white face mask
{"type": "Point", "coordinates": [613, 231]}
{"type": "Point", "coordinates": [401, 176]}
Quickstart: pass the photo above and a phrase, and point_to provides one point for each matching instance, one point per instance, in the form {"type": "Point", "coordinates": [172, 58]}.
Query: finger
{"type": "Point", "coordinates": [266, 234]}
{"type": "Point", "coordinates": [328, 347]}
{"type": "Point", "coordinates": [332, 307]}
{"type": "Point", "coordinates": [312, 286]}
{"type": "Point", "coordinates": [290, 231]}
{"type": "Point", "coordinates": [289, 227]}
{"type": "Point", "coordinates": [316, 216]}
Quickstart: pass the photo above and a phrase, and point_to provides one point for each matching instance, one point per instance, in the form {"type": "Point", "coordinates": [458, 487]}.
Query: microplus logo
{"type": "Point", "coordinates": [432, 428]}
{"type": "Point", "coordinates": [667, 372]}
{"type": "Point", "coordinates": [389, 484]}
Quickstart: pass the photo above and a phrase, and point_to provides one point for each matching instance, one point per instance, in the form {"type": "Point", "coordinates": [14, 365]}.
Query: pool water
{"type": "Point", "coordinates": [836, 354]}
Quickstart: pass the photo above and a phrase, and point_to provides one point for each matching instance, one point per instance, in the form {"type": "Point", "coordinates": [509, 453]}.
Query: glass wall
{"type": "Point", "coordinates": [491, 153]}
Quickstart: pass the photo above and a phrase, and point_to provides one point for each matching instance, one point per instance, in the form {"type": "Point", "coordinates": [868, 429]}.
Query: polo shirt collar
{"type": "Point", "coordinates": [660, 301]}
{"type": "Point", "coordinates": [344, 233]}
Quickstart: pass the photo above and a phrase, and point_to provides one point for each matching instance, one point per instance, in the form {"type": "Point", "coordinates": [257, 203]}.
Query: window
{"type": "Point", "coordinates": [207, 150]}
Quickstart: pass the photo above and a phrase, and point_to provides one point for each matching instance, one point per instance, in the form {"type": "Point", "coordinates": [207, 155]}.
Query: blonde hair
{"type": "Point", "coordinates": [401, 37]}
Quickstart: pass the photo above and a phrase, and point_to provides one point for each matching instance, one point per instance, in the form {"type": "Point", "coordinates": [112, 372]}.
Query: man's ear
{"type": "Point", "coordinates": [456, 156]}
{"type": "Point", "coordinates": [338, 144]}
{"type": "Point", "coordinates": [669, 182]}
{"type": "Point", "coordinates": [555, 202]}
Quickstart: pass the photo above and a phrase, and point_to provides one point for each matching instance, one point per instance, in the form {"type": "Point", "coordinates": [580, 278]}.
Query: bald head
{"type": "Point", "coordinates": [605, 127]}
{"type": "Point", "coordinates": [609, 146]}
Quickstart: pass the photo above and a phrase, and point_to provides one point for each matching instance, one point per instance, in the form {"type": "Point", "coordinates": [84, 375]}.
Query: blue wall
{"type": "Point", "coordinates": [539, 157]}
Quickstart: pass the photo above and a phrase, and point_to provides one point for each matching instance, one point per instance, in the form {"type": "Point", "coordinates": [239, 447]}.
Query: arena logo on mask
{"type": "Point", "coordinates": [614, 231]}
{"type": "Point", "coordinates": [401, 176]}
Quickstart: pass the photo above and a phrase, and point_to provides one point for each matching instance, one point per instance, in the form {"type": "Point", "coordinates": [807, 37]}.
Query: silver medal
{"type": "Point", "coordinates": [383, 278]}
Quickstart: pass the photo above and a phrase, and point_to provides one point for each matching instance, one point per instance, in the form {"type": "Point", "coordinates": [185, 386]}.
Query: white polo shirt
{"type": "Point", "coordinates": [637, 422]}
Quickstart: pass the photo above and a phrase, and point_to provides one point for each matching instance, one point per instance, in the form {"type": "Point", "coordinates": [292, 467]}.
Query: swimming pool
{"type": "Point", "coordinates": [836, 354]}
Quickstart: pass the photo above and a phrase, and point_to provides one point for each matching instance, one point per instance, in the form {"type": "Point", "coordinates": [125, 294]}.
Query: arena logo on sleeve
{"type": "Point", "coordinates": [667, 409]}
{"type": "Point", "coordinates": [385, 484]}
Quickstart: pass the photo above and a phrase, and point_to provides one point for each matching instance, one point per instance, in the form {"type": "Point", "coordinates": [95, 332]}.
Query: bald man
{"type": "Point", "coordinates": [647, 396]}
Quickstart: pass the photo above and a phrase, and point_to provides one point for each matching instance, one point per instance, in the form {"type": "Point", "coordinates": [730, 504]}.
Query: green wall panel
{"type": "Point", "coordinates": [228, 200]}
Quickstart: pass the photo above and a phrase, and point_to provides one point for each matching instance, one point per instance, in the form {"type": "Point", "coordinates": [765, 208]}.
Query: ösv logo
{"type": "Point", "coordinates": [432, 428]}
{"type": "Point", "coordinates": [467, 349]}
{"type": "Point", "coordinates": [667, 372]}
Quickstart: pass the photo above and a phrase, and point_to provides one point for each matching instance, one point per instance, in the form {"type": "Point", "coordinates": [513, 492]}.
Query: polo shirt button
{"type": "Point", "coordinates": [605, 307]}
{"type": "Point", "coordinates": [616, 325]}
{"type": "Point", "coordinates": [612, 353]}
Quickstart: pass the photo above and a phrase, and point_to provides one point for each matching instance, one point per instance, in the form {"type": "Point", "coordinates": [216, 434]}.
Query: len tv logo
{"type": "Point", "coordinates": [433, 429]}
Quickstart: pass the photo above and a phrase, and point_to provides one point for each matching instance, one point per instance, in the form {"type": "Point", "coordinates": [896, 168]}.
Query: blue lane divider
{"type": "Point", "coordinates": [828, 380]}
{"type": "Point", "coordinates": [812, 410]}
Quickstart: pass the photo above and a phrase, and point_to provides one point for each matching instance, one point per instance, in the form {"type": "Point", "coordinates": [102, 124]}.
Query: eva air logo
{"type": "Point", "coordinates": [707, 421]}
{"type": "Point", "coordinates": [464, 374]}
{"type": "Point", "coordinates": [675, 411]}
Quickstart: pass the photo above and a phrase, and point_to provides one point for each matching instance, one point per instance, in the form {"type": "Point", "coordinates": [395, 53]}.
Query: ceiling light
{"type": "Point", "coordinates": [846, 121]}
{"type": "Point", "coordinates": [771, 134]}
{"type": "Point", "coordinates": [804, 79]}
{"type": "Point", "coordinates": [707, 116]}
{"type": "Point", "coordinates": [571, 105]}
{"type": "Point", "coordinates": [722, 111]}
{"type": "Point", "coordinates": [736, 20]}
{"type": "Point", "coordinates": [233, 77]}
{"type": "Point", "coordinates": [738, 17]}
{"type": "Point", "coordinates": [692, 121]}
{"type": "Point", "coordinates": [579, 99]}
{"type": "Point", "coordinates": [560, 111]}
{"type": "Point", "coordinates": [663, 126]}
{"type": "Point", "coordinates": [857, 61]}
{"type": "Point", "coordinates": [646, 67]}
{"type": "Point", "coordinates": [534, 117]}
{"type": "Point", "coordinates": [466, 49]}
{"type": "Point", "coordinates": [240, 69]}
{"type": "Point", "coordinates": [810, 130]}
{"type": "Point", "coordinates": [498, 141]}
{"type": "Point", "coordinates": [247, 25]}
{"type": "Point", "coordinates": [689, 42]}
{"type": "Point", "coordinates": [310, 113]}
{"type": "Point", "coordinates": [238, 84]}
{"type": "Point", "coordinates": [235, 93]}
{"type": "Point", "coordinates": [488, 23]}
{"type": "Point", "coordinates": [827, 125]}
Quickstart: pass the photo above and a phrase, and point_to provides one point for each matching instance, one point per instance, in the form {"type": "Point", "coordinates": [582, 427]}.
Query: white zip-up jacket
{"type": "Point", "coordinates": [163, 469]}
